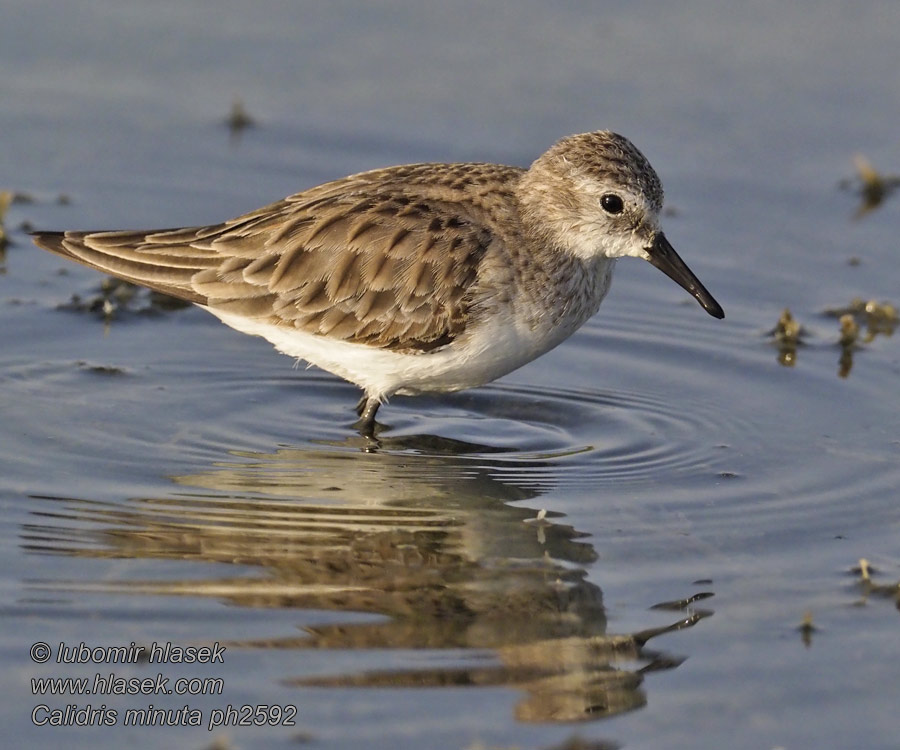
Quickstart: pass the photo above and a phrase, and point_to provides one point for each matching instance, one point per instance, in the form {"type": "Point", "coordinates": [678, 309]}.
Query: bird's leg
{"type": "Point", "coordinates": [366, 408]}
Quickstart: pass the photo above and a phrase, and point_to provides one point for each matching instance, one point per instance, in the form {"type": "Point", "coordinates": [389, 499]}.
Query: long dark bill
{"type": "Point", "coordinates": [664, 257]}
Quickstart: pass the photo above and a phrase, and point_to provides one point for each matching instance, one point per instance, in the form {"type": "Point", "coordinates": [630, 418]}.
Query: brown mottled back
{"type": "Point", "coordinates": [387, 258]}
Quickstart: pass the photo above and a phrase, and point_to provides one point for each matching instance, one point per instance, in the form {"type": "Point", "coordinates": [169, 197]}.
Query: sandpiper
{"type": "Point", "coordinates": [418, 278]}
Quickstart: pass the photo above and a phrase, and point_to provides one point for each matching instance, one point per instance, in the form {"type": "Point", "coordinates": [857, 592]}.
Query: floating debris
{"type": "Point", "coordinates": [787, 335]}
{"type": "Point", "coordinates": [849, 330]}
{"type": "Point", "coordinates": [870, 185]}
{"type": "Point", "coordinates": [880, 318]}
{"type": "Point", "coordinates": [7, 199]}
{"type": "Point", "coordinates": [22, 198]}
{"type": "Point", "coordinates": [101, 369]}
{"type": "Point", "coordinates": [806, 629]}
{"type": "Point", "coordinates": [874, 317]}
{"type": "Point", "coordinates": [890, 591]}
{"type": "Point", "coordinates": [877, 317]}
{"type": "Point", "coordinates": [787, 330]}
{"type": "Point", "coordinates": [239, 119]}
{"type": "Point", "coordinates": [116, 297]}
{"type": "Point", "coordinates": [864, 569]}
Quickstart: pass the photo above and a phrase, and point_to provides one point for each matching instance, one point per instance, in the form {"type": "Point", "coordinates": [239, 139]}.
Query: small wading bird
{"type": "Point", "coordinates": [419, 278]}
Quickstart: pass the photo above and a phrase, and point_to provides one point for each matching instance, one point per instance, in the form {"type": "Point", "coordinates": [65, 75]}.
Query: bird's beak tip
{"type": "Point", "coordinates": [662, 255]}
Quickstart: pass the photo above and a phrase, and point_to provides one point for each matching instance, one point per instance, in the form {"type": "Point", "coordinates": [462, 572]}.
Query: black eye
{"type": "Point", "coordinates": [612, 203]}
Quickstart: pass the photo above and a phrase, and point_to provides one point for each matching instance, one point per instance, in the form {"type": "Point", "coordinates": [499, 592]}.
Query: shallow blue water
{"type": "Point", "coordinates": [167, 479]}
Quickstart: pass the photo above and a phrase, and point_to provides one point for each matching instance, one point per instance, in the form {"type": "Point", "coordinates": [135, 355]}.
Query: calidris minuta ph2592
{"type": "Point", "coordinates": [418, 278]}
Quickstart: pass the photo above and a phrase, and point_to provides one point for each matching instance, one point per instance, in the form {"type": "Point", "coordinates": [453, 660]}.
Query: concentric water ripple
{"type": "Point", "coordinates": [585, 436]}
{"type": "Point", "coordinates": [706, 416]}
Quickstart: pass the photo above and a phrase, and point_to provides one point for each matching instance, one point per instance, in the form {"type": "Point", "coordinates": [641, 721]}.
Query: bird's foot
{"type": "Point", "coordinates": [366, 409]}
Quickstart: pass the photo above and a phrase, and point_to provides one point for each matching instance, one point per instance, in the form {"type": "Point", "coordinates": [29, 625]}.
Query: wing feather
{"type": "Point", "coordinates": [388, 258]}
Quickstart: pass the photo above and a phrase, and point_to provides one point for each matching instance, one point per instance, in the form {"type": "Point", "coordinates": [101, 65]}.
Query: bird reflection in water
{"type": "Point", "coordinates": [430, 533]}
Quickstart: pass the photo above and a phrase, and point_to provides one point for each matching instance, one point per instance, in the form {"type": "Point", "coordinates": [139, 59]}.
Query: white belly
{"type": "Point", "coordinates": [494, 350]}
{"type": "Point", "coordinates": [495, 347]}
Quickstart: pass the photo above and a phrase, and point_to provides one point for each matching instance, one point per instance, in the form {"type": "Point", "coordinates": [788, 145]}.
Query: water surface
{"type": "Point", "coordinates": [488, 574]}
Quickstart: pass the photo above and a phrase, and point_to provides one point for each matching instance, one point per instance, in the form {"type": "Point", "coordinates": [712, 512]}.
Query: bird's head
{"type": "Point", "coordinates": [595, 195]}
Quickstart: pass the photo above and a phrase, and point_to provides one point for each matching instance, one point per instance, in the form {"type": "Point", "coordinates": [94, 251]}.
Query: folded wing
{"type": "Point", "coordinates": [368, 259]}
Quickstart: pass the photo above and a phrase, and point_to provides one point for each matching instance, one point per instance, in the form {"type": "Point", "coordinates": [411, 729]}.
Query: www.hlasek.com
{"type": "Point", "coordinates": [103, 683]}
